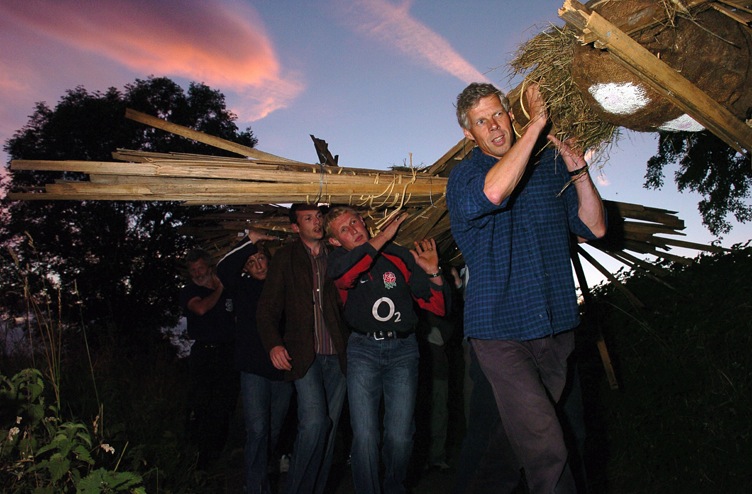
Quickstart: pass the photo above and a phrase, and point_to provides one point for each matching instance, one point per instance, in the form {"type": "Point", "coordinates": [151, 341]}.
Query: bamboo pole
{"type": "Point", "coordinates": [599, 340]}
{"type": "Point", "coordinates": [249, 171]}
{"type": "Point", "coordinates": [195, 135]}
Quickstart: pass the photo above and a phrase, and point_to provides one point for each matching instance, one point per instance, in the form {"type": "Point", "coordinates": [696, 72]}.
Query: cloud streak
{"type": "Point", "coordinates": [221, 43]}
{"type": "Point", "coordinates": [393, 25]}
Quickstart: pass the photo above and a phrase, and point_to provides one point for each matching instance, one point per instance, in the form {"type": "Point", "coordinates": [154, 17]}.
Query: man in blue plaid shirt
{"type": "Point", "coordinates": [513, 210]}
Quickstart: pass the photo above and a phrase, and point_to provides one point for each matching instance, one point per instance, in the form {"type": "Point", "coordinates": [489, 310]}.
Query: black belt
{"type": "Point", "coordinates": [387, 335]}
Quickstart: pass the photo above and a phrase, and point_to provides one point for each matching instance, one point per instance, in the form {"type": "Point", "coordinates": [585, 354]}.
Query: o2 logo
{"type": "Point", "coordinates": [391, 315]}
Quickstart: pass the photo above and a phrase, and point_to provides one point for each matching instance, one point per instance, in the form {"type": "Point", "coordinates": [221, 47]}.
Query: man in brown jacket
{"type": "Point", "coordinates": [310, 348]}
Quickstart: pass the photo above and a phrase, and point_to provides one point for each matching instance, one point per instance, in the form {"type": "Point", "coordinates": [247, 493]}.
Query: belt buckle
{"type": "Point", "coordinates": [378, 335]}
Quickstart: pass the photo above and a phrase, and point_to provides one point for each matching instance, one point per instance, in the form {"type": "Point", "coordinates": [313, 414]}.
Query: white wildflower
{"type": "Point", "coordinates": [13, 432]}
{"type": "Point", "coordinates": [107, 448]}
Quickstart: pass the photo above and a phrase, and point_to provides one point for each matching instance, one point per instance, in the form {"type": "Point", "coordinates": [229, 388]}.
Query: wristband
{"type": "Point", "coordinates": [580, 171]}
{"type": "Point", "coordinates": [436, 274]}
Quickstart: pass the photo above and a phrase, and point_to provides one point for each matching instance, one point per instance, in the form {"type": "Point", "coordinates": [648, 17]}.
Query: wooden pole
{"type": "Point", "coordinates": [189, 133]}
{"type": "Point", "coordinates": [599, 340]}
{"type": "Point", "coordinates": [664, 79]}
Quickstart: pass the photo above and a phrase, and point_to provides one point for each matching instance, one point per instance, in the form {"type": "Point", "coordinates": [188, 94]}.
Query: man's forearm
{"type": "Point", "coordinates": [590, 210]}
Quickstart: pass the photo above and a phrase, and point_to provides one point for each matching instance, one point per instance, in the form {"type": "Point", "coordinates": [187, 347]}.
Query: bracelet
{"type": "Point", "coordinates": [436, 274]}
{"type": "Point", "coordinates": [580, 171]}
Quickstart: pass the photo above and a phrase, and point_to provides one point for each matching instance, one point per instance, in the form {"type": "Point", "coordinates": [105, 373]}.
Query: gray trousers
{"type": "Point", "coordinates": [528, 378]}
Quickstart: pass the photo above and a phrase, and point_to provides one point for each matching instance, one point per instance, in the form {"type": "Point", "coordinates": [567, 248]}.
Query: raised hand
{"type": "Point", "coordinates": [536, 106]}
{"type": "Point", "coordinates": [426, 255]}
{"type": "Point", "coordinates": [256, 235]}
{"type": "Point", "coordinates": [390, 229]}
{"type": "Point", "coordinates": [570, 152]}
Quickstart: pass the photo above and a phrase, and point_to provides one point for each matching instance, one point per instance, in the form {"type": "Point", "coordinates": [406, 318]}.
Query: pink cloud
{"type": "Point", "coordinates": [392, 24]}
{"type": "Point", "coordinates": [223, 44]}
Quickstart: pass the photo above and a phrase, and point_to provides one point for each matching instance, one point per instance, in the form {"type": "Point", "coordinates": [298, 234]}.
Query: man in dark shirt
{"type": "Point", "coordinates": [513, 211]}
{"type": "Point", "coordinates": [213, 381]}
{"type": "Point", "coordinates": [264, 392]}
{"type": "Point", "coordinates": [312, 349]}
{"type": "Point", "coordinates": [378, 283]}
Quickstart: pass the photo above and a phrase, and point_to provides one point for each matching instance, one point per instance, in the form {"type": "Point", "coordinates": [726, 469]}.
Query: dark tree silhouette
{"type": "Point", "coordinates": [710, 167]}
{"type": "Point", "coordinates": [121, 261]}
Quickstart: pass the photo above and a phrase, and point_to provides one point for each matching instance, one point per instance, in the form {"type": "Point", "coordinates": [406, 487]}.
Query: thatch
{"type": "Point", "coordinates": [682, 57]}
{"type": "Point", "coordinates": [547, 59]}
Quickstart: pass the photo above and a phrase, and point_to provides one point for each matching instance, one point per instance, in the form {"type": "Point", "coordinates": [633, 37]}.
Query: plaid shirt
{"type": "Point", "coordinates": [521, 285]}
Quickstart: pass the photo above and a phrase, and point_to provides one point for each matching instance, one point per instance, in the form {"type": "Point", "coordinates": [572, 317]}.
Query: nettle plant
{"type": "Point", "coordinates": [41, 453]}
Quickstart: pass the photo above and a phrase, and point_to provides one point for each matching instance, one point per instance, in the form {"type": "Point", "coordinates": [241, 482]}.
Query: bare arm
{"type": "Point", "coordinates": [255, 235]}
{"type": "Point", "coordinates": [502, 179]}
{"type": "Point", "coordinates": [590, 210]}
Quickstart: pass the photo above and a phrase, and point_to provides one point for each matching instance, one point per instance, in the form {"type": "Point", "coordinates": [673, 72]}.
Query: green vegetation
{"type": "Point", "coordinates": [94, 281]}
{"type": "Point", "coordinates": [708, 166]}
{"type": "Point", "coordinates": [681, 419]}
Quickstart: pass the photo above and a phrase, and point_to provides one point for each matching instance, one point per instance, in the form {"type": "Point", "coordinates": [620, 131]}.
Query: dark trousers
{"type": "Point", "coordinates": [212, 397]}
{"type": "Point", "coordinates": [487, 464]}
{"type": "Point", "coordinates": [527, 378]}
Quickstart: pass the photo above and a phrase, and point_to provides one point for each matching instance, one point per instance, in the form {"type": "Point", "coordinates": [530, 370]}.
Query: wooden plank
{"type": "Point", "coordinates": [219, 171]}
{"type": "Point", "coordinates": [250, 188]}
{"type": "Point", "coordinates": [695, 246]}
{"type": "Point", "coordinates": [642, 213]}
{"type": "Point", "coordinates": [195, 135]}
{"type": "Point", "coordinates": [744, 18]}
{"type": "Point", "coordinates": [610, 277]}
{"type": "Point", "coordinates": [648, 228]}
{"type": "Point", "coordinates": [630, 208]}
{"type": "Point", "coordinates": [736, 4]}
{"type": "Point", "coordinates": [636, 262]}
{"type": "Point", "coordinates": [650, 15]}
{"type": "Point", "coordinates": [393, 200]}
{"type": "Point", "coordinates": [456, 154]}
{"type": "Point", "coordinates": [600, 341]}
{"type": "Point", "coordinates": [681, 92]}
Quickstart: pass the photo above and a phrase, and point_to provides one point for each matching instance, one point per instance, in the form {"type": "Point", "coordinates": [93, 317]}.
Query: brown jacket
{"type": "Point", "coordinates": [287, 294]}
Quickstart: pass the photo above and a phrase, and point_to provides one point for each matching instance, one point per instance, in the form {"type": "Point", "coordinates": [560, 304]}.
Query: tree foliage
{"type": "Point", "coordinates": [710, 167]}
{"type": "Point", "coordinates": [680, 421]}
{"type": "Point", "coordinates": [119, 260]}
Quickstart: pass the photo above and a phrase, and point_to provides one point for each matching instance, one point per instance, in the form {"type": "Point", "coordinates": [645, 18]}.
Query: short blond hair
{"type": "Point", "coordinates": [335, 213]}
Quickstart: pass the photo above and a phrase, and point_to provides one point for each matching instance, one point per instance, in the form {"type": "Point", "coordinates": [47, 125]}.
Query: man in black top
{"type": "Point", "coordinates": [264, 392]}
{"type": "Point", "coordinates": [213, 381]}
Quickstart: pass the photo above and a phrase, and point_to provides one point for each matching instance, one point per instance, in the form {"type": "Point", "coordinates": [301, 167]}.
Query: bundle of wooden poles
{"type": "Point", "coordinates": [254, 185]}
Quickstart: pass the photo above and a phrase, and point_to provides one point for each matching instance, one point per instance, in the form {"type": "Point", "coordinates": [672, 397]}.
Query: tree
{"type": "Point", "coordinates": [121, 262]}
{"type": "Point", "coordinates": [710, 167]}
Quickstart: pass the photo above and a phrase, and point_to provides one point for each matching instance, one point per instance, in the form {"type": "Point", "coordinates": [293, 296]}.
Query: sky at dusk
{"type": "Point", "coordinates": [376, 79]}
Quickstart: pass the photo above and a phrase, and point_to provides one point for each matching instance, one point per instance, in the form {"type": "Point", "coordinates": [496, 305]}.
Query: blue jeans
{"type": "Point", "coordinates": [388, 367]}
{"type": "Point", "coordinates": [321, 394]}
{"type": "Point", "coordinates": [265, 405]}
